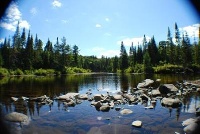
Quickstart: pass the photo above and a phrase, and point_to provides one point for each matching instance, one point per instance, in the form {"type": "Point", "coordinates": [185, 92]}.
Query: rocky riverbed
{"type": "Point", "coordinates": [147, 92]}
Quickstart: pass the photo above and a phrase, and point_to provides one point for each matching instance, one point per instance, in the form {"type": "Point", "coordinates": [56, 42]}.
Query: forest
{"type": "Point", "coordinates": [24, 54]}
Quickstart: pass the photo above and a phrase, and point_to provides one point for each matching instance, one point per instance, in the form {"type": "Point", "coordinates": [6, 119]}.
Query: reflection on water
{"type": "Point", "coordinates": [83, 118]}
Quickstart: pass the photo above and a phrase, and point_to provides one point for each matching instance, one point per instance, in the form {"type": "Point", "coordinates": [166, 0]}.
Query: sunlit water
{"type": "Point", "coordinates": [84, 118]}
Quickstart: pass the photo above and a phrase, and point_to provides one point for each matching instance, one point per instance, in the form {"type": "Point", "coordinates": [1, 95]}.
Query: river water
{"type": "Point", "coordinates": [84, 118]}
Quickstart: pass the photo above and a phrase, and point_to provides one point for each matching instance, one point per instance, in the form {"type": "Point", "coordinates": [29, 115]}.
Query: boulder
{"type": "Point", "coordinates": [192, 126]}
{"type": "Point", "coordinates": [98, 97]}
{"type": "Point", "coordinates": [155, 93]}
{"type": "Point", "coordinates": [145, 84]}
{"type": "Point", "coordinates": [167, 88]}
{"type": "Point", "coordinates": [126, 111]}
{"type": "Point", "coordinates": [170, 102]}
{"type": "Point", "coordinates": [131, 98]}
{"type": "Point", "coordinates": [104, 108]}
{"type": "Point", "coordinates": [68, 96]}
{"type": "Point", "coordinates": [16, 117]}
{"type": "Point", "coordinates": [117, 97]}
{"type": "Point", "coordinates": [83, 96]}
{"type": "Point", "coordinates": [137, 123]}
{"type": "Point", "coordinates": [96, 104]}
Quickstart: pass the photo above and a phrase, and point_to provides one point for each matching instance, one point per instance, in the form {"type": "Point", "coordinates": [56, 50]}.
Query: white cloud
{"type": "Point", "coordinates": [24, 24]}
{"type": "Point", "coordinates": [107, 19]}
{"type": "Point", "coordinates": [11, 18]}
{"type": "Point", "coordinates": [56, 3]}
{"type": "Point", "coordinates": [33, 11]}
{"type": "Point", "coordinates": [98, 25]}
{"type": "Point", "coordinates": [99, 51]}
{"type": "Point", "coordinates": [192, 30]}
{"type": "Point", "coordinates": [136, 41]}
{"type": "Point", "coordinates": [64, 21]}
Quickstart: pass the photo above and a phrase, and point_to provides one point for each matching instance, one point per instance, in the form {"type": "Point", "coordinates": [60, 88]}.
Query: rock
{"type": "Point", "coordinates": [16, 117]}
{"type": "Point", "coordinates": [145, 84]}
{"type": "Point", "coordinates": [111, 104]}
{"type": "Point", "coordinates": [69, 103]}
{"type": "Point", "coordinates": [155, 93]}
{"type": "Point", "coordinates": [198, 89]}
{"type": "Point", "coordinates": [83, 96]}
{"type": "Point", "coordinates": [167, 88]}
{"type": "Point", "coordinates": [192, 128]}
{"type": "Point", "coordinates": [131, 98]}
{"type": "Point", "coordinates": [188, 121]}
{"type": "Point", "coordinates": [104, 108]}
{"type": "Point", "coordinates": [137, 123]}
{"type": "Point", "coordinates": [25, 98]}
{"type": "Point", "coordinates": [117, 97]}
{"type": "Point", "coordinates": [96, 104]}
{"type": "Point", "coordinates": [144, 97]}
{"type": "Point", "coordinates": [158, 80]}
{"type": "Point", "coordinates": [14, 98]}
{"type": "Point", "coordinates": [98, 97]}
{"type": "Point", "coordinates": [126, 111]}
{"type": "Point", "coordinates": [171, 102]}
{"type": "Point", "coordinates": [68, 96]}
{"type": "Point", "coordinates": [149, 107]}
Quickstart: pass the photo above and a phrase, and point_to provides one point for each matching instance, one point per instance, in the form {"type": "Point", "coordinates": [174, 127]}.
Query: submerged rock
{"type": "Point", "coordinates": [126, 111]}
{"type": "Point", "coordinates": [170, 102]}
{"type": "Point", "coordinates": [16, 117]}
{"type": "Point", "coordinates": [137, 123]}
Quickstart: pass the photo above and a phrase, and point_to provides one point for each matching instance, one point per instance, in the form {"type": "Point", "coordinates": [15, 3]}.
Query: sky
{"type": "Point", "coordinates": [97, 27]}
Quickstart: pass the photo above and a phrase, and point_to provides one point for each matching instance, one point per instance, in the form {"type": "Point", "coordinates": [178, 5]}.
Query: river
{"type": "Point", "coordinates": [84, 118]}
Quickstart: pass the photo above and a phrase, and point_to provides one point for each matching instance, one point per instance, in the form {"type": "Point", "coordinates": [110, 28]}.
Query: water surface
{"type": "Point", "coordinates": [83, 118]}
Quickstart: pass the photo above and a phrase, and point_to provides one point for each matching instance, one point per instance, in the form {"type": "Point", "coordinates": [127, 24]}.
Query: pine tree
{"type": "Point", "coordinates": [75, 52]}
{"type": "Point", "coordinates": [123, 58]}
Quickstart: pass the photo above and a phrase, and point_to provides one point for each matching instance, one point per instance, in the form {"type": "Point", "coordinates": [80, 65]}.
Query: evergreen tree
{"type": "Point", "coordinates": [147, 63]}
{"type": "Point", "coordinates": [75, 52]}
{"type": "Point", "coordinates": [153, 51]}
{"type": "Point", "coordinates": [123, 58]}
{"type": "Point", "coordinates": [132, 56]}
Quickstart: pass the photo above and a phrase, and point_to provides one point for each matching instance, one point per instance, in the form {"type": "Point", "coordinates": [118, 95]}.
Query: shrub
{"type": "Point", "coordinates": [40, 72]}
{"type": "Point", "coordinates": [168, 68]}
{"type": "Point", "coordinates": [18, 72]}
{"type": "Point", "coordinates": [4, 72]}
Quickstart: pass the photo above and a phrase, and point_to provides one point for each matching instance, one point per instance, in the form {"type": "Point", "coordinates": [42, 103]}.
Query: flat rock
{"type": "Point", "coordinates": [145, 84]}
{"type": "Point", "coordinates": [167, 88]}
{"type": "Point", "coordinates": [117, 97]}
{"type": "Point", "coordinates": [104, 108]}
{"type": "Point", "coordinates": [14, 98]}
{"type": "Point", "coordinates": [126, 111]}
{"type": "Point", "coordinates": [68, 96]}
{"type": "Point", "coordinates": [16, 117]}
{"type": "Point", "coordinates": [137, 123]}
{"type": "Point", "coordinates": [83, 96]}
{"type": "Point", "coordinates": [170, 102]}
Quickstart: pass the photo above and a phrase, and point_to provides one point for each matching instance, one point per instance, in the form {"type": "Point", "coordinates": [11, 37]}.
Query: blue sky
{"type": "Point", "coordinates": [97, 27]}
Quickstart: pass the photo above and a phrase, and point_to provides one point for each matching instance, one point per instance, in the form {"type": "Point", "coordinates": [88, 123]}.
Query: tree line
{"type": "Point", "coordinates": [29, 53]}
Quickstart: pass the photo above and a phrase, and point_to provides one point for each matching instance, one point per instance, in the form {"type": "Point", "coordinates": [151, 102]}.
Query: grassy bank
{"type": "Point", "coordinates": [42, 72]}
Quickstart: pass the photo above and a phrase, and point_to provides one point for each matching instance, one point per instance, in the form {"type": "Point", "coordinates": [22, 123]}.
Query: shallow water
{"type": "Point", "coordinates": [83, 118]}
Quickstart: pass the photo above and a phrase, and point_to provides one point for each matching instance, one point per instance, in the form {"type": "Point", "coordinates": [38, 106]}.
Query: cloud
{"type": "Point", "coordinates": [33, 11]}
{"type": "Point", "coordinates": [56, 3]}
{"type": "Point", "coordinates": [98, 25]}
{"type": "Point", "coordinates": [99, 51]}
{"type": "Point", "coordinates": [64, 21]}
{"type": "Point", "coordinates": [107, 19]}
{"type": "Point", "coordinates": [11, 18]}
{"type": "Point", "coordinates": [135, 40]}
{"type": "Point", "coordinates": [192, 30]}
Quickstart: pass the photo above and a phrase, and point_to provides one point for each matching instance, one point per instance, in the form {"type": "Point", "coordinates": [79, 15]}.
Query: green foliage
{"type": "Point", "coordinates": [72, 70]}
{"type": "Point", "coordinates": [4, 72]}
{"type": "Point", "coordinates": [168, 68]}
{"type": "Point", "coordinates": [139, 68]}
{"type": "Point", "coordinates": [129, 70]}
{"type": "Point", "coordinates": [18, 72]}
{"type": "Point", "coordinates": [44, 72]}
